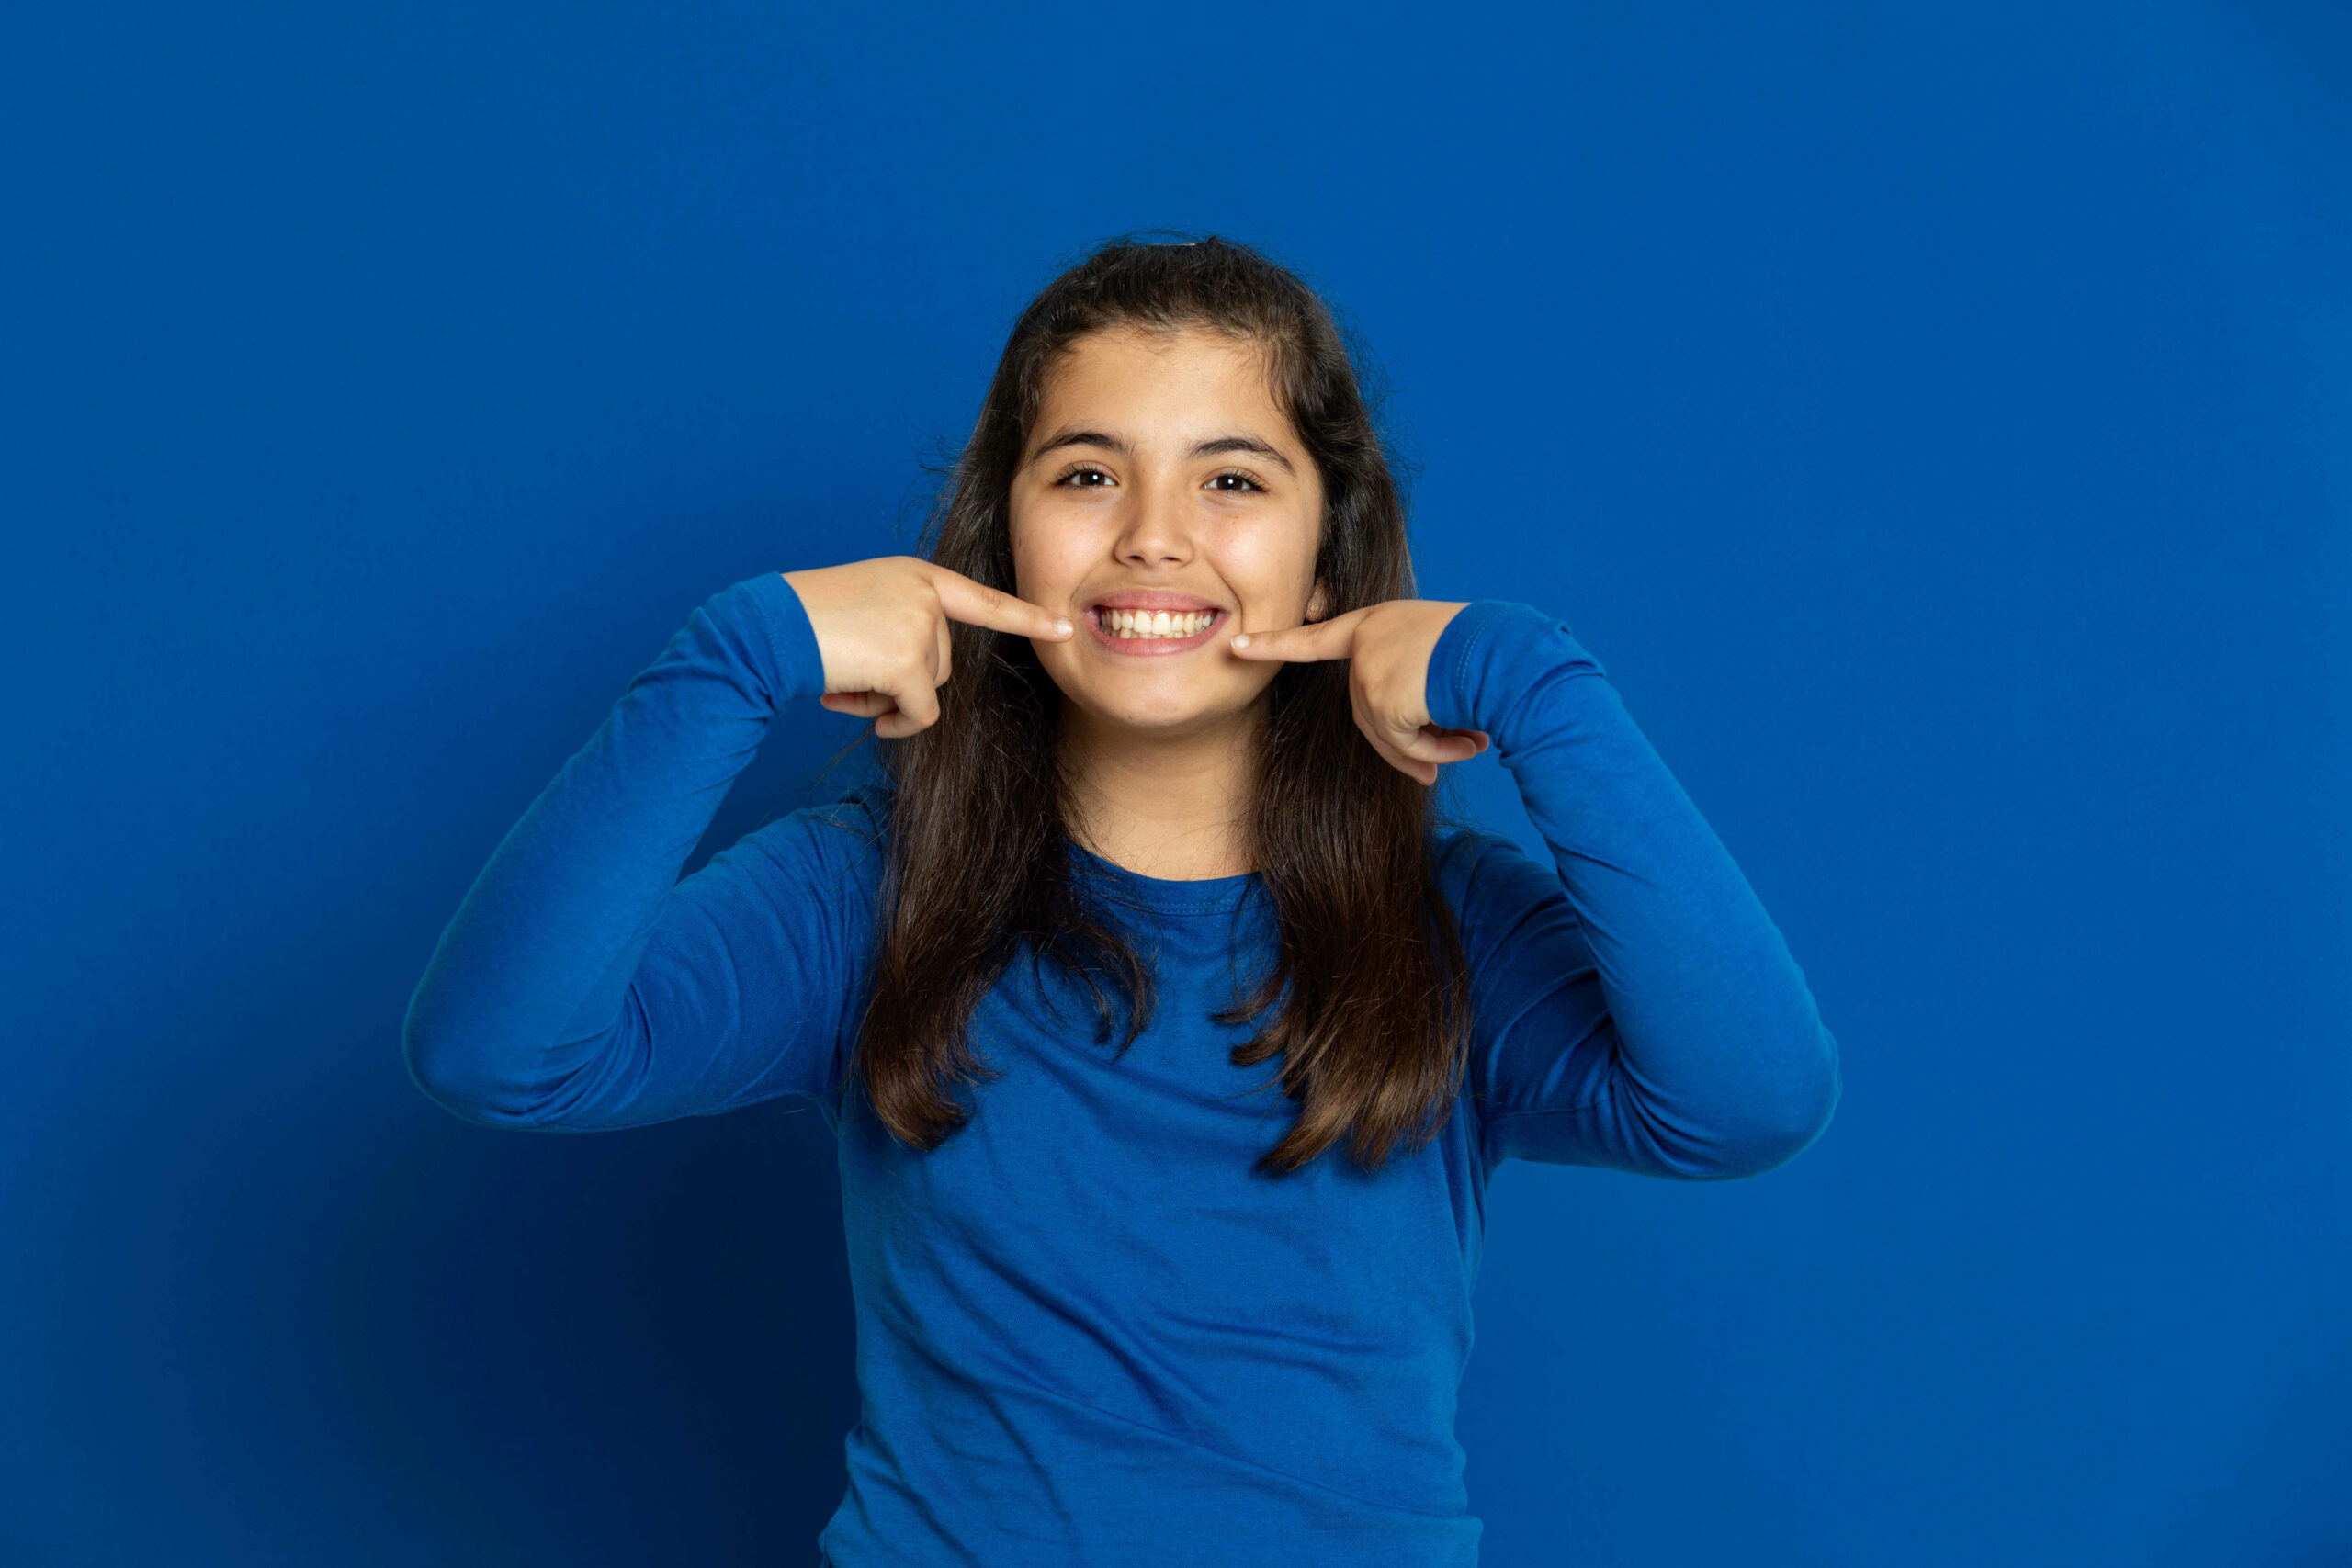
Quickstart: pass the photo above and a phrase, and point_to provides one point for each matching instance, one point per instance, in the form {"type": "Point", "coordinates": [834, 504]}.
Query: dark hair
{"type": "Point", "coordinates": [1368, 976]}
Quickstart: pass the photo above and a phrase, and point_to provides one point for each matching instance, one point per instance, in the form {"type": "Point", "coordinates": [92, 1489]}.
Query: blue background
{"type": "Point", "coordinates": [1938, 419]}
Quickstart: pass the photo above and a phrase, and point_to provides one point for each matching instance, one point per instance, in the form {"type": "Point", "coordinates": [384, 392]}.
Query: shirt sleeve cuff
{"type": "Point", "coordinates": [790, 664]}
{"type": "Point", "coordinates": [1490, 656]}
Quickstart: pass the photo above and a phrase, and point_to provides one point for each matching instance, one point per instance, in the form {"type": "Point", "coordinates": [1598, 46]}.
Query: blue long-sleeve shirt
{"type": "Point", "coordinates": [1088, 1330]}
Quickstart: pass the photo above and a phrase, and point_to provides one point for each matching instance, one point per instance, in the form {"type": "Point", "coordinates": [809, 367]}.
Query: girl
{"type": "Point", "coordinates": [1168, 1042]}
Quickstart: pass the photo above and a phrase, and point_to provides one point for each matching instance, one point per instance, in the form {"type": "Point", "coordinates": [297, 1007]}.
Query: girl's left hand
{"type": "Point", "coordinates": [1389, 645]}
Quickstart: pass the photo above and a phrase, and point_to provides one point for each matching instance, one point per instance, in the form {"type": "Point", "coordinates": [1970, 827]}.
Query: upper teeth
{"type": "Point", "coordinates": [1156, 623]}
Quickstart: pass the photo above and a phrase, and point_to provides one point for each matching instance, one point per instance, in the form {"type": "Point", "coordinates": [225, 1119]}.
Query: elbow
{"type": "Point", "coordinates": [1782, 1124]}
{"type": "Point", "coordinates": [467, 1082]}
{"type": "Point", "coordinates": [1806, 1119]}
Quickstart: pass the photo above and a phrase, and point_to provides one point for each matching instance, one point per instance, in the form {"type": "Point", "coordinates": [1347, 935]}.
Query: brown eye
{"type": "Point", "coordinates": [1081, 471]}
{"type": "Point", "coordinates": [1247, 482]}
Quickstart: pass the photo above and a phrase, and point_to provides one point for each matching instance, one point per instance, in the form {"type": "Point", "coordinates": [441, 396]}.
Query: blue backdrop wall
{"type": "Point", "coordinates": [1938, 419]}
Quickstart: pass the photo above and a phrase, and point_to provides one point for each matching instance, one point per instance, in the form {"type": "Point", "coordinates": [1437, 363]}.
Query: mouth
{"type": "Point", "coordinates": [1150, 632]}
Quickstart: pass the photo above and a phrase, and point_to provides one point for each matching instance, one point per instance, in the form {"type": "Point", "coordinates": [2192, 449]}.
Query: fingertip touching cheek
{"type": "Point", "coordinates": [1163, 503]}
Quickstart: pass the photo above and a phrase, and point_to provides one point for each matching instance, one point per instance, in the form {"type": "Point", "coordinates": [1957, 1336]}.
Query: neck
{"type": "Point", "coordinates": [1168, 806]}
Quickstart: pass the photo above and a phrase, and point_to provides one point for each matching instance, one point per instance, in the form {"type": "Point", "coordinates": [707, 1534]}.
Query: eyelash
{"type": "Point", "coordinates": [1079, 468]}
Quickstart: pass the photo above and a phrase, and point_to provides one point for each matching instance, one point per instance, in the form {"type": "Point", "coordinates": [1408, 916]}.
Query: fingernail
{"type": "Point", "coordinates": [1061, 628]}
{"type": "Point", "coordinates": [1242, 640]}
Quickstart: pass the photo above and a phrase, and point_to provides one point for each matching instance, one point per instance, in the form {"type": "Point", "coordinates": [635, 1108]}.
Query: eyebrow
{"type": "Point", "coordinates": [1204, 449]}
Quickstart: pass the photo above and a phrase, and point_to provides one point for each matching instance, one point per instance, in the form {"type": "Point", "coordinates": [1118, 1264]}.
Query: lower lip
{"type": "Point", "coordinates": [1152, 647]}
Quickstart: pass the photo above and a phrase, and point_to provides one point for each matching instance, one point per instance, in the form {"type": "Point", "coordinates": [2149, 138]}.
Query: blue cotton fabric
{"type": "Point", "coordinates": [1088, 1331]}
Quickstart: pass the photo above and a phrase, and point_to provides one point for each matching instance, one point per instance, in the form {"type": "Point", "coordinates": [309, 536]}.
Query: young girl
{"type": "Point", "coordinates": [1168, 1042]}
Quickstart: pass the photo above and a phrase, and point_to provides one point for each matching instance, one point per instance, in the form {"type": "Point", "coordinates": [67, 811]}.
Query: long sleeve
{"type": "Point", "coordinates": [582, 984]}
{"type": "Point", "coordinates": [1637, 1009]}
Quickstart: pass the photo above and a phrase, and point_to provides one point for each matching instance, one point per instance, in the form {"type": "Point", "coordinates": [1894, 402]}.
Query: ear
{"type": "Point", "coordinates": [1318, 604]}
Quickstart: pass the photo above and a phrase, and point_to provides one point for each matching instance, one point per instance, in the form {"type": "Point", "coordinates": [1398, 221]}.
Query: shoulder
{"type": "Point", "coordinates": [843, 841]}
{"type": "Point", "coordinates": [1499, 892]}
{"type": "Point", "coordinates": [1481, 870]}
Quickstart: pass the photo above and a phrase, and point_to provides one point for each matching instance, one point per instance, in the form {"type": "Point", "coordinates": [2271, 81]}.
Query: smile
{"type": "Point", "coordinates": [1150, 632]}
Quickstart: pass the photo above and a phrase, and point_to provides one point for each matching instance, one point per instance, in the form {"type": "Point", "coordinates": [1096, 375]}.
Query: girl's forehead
{"type": "Point", "coordinates": [1129, 344]}
{"type": "Point", "coordinates": [1158, 370]}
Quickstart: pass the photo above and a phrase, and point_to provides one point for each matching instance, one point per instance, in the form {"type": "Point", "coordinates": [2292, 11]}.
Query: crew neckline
{"type": "Point", "coordinates": [1203, 895]}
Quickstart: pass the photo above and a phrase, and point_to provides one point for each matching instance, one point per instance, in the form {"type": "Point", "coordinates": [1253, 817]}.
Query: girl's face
{"type": "Point", "coordinates": [1161, 479]}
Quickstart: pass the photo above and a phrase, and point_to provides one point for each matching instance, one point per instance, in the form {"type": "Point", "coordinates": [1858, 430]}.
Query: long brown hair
{"type": "Point", "coordinates": [1367, 989]}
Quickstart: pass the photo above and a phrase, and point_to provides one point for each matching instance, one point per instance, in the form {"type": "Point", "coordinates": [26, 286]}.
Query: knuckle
{"type": "Point", "coordinates": [917, 628]}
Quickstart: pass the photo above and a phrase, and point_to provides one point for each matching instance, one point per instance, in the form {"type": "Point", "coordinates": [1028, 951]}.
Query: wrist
{"type": "Point", "coordinates": [1490, 656]}
{"type": "Point", "coordinates": [795, 665]}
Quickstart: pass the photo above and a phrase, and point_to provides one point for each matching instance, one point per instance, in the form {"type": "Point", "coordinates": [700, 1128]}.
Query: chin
{"type": "Point", "coordinates": [1165, 713]}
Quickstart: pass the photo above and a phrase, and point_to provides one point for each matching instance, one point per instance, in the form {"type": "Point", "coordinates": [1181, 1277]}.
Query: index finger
{"type": "Point", "coordinates": [1334, 639]}
{"type": "Point", "coordinates": [978, 604]}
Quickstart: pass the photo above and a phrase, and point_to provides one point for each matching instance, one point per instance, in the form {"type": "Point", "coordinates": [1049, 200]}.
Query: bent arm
{"type": "Point", "coordinates": [581, 984]}
{"type": "Point", "coordinates": [1639, 1010]}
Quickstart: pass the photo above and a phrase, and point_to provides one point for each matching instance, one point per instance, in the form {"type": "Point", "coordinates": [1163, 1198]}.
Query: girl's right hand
{"type": "Point", "coordinates": [881, 626]}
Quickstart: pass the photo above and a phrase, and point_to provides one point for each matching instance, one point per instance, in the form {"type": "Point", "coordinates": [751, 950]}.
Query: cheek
{"type": "Point", "coordinates": [1047, 560]}
{"type": "Point", "coordinates": [1278, 572]}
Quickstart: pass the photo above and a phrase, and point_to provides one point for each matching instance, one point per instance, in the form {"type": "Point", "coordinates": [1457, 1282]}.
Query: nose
{"type": "Point", "coordinates": [1155, 532]}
